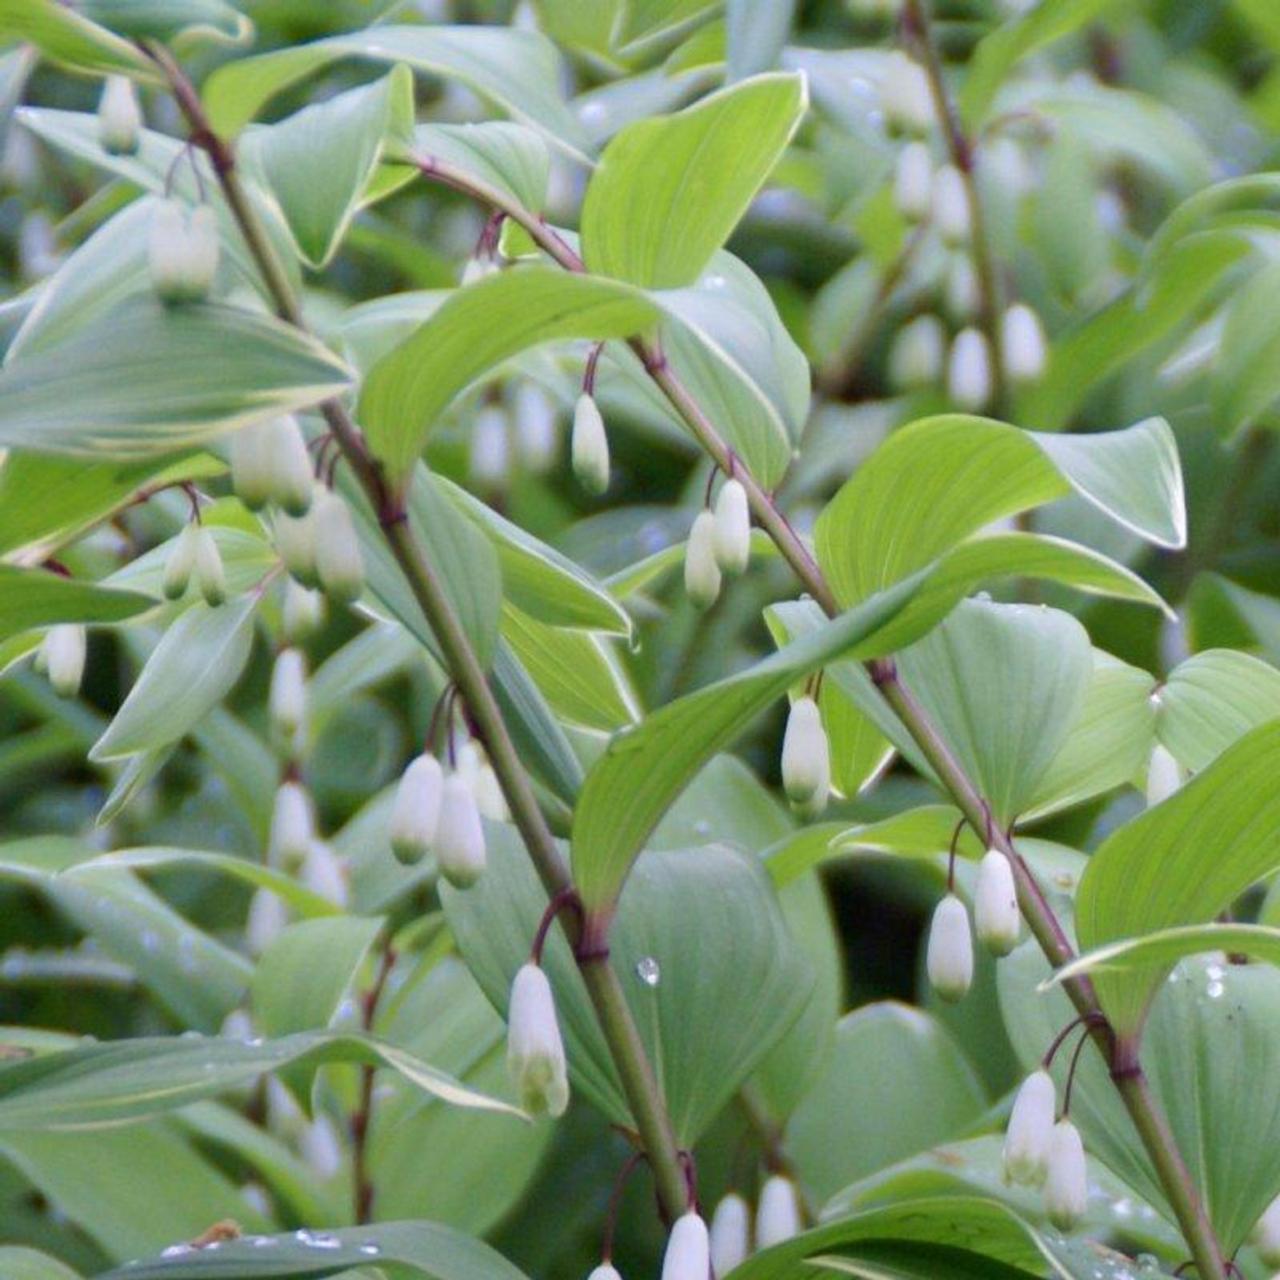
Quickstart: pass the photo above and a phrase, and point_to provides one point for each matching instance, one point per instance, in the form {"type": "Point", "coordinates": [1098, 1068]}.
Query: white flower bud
{"type": "Point", "coordinates": [211, 577]}
{"type": "Point", "coordinates": [590, 445]}
{"type": "Point", "coordinates": [182, 251]}
{"type": "Point", "coordinates": [415, 813]}
{"type": "Point", "coordinates": [969, 371]}
{"type": "Point", "coordinates": [778, 1213]}
{"type": "Point", "coordinates": [905, 94]}
{"type": "Point", "coordinates": [339, 562]}
{"type": "Point", "coordinates": [302, 613]}
{"type": "Point", "coordinates": [605, 1271]}
{"type": "Point", "coordinates": [1030, 1132]}
{"type": "Point", "coordinates": [951, 213]}
{"type": "Point", "coordinates": [731, 536]}
{"type": "Point", "coordinates": [1066, 1186]}
{"type": "Point", "coordinates": [1022, 344]}
{"type": "Point", "coordinates": [203, 249]}
{"type": "Point", "coordinates": [288, 466]}
{"type": "Point", "coordinates": [477, 269]}
{"type": "Point", "coordinates": [1266, 1235]}
{"type": "Point", "coordinates": [918, 353]}
{"type": "Point", "coordinates": [535, 1051]}
{"type": "Point", "coordinates": [320, 1147]}
{"type": "Point", "coordinates": [250, 470]}
{"type": "Point", "coordinates": [950, 953]}
{"type": "Point", "coordinates": [537, 439]}
{"type": "Point", "coordinates": [287, 700]}
{"type": "Point", "coordinates": [292, 826]}
{"type": "Point", "coordinates": [701, 569]}
{"type": "Point", "coordinates": [730, 1235]}
{"type": "Point", "coordinates": [688, 1255]}
{"type": "Point", "coordinates": [119, 117]}
{"type": "Point", "coordinates": [459, 840]}
{"type": "Point", "coordinates": [806, 755]}
{"type": "Point", "coordinates": [913, 182]}
{"type": "Point", "coordinates": [490, 448]}
{"type": "Point", "coordinates": [180, 563]}
{"type": "Point", "coordinates": [323, 872]}
{"type": "Point", "coordinates": [1164, 775]}
{"type": "Point", "coordinates": [296, 543]}
{"type": "Point", "coordinates": [996, 918]}
{"type": "Point", "coordinates": [65, 649]}
{"type": "Point", "coordinates": [961, 290]}
{"type": "Point", "coordinates": [268, 919]}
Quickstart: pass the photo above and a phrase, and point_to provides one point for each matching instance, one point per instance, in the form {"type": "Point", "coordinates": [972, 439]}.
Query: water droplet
{"type": "Point", "coordinates": [649, 971]}
{"type": "Point", "coordinates": [177, 1251]}
{"type": "Point", "coordinates": [1215, 990]}
{"type": "Point", "coordinates": [702, 827]}
{"type": "Point", "coordinates": [317, 1239]}
{"type": "Point", "coordinates": [369, 1249]}
{"type": "Point", "coordinates": [262, 1242]}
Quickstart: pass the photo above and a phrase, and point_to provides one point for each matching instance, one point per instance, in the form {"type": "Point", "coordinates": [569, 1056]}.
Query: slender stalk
{"type": "Point", "coordinates": [626, 1047]}
{"type": "Point", "coordinates": [363, 1116]}
{"type": "Point", "coordinates": [1126, 1070]}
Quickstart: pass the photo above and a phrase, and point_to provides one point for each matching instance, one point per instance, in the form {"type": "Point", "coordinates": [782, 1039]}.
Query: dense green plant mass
{"type": "Point", "coordinates": [637, 637]}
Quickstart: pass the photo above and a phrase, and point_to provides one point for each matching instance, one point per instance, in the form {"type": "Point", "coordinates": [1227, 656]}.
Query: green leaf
{"type": "Point", "coordinates": [423, 1248]}
{"type": "Point", "coordinates": [198, 660]}
{"type": "Point", "coordinates": [730, 980]}
{"type": "Point", "coordinates": [645, 20]}
{"type": "Point", "coordinates": [38, 598]}
{"type": "Point", "coordinates": [518, 70]}
{"type": "Point", "coordinates": [474, 331]}
{"type": "Point", "coordinates": [1211, 700]}
{"type": "Point", "coordinates": [939, 481]}
{"type": "Point", "coordinates": [107, 1084]}
{"type": "Point", "coordinates": [1182, 863]}
{"type": "Point", "coordinates": [1166, 947]}
{"type": "Point", "coordinates": [28, 1264]}
{"type": "Point", "coordinates": [756, 36]}
{"type": "Point", "coordinates": [511, 159]}
{"type": "Point", "coordinates": [140, 380]}
{"type": "Point", "coordinates": [1245, 383]}
{"type": "Point", "coordinates": [71, 39]}
{"type": "Point", "coordinates": [697, 170]}
{"type": "Point", "coordinates": [169, 19]}
{"type": "Point", "coordinates": [1004, 685]}
{"type": "Point", "coordinates": [1014, 39]}
{"type": "Point", "coordinates": [318, 162]}
{"type": "Point", "coordinates": [302, 977]}
{"type": "Point", "coordinates": [887, 1057]}
{"type": "Point", "coordinates": [644, 769]}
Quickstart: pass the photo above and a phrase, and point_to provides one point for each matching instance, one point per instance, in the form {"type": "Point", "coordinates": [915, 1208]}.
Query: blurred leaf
{"type": "Point", "coordinates": [69, 38]}
{"type": "Point", "coordinates": [167, 19]}
{"type": "Point", "coordinates": [509, 158]}
{"type": "Point", "coordinates": [39, 597]}
{"type": "Point", "coordinates": [139, 380]}
{"type": "Point", "coordinates": [697, 170]}
{"type": "Point", "coordinates": [1245, 382]}
{"type": "Point", "coordinates": [757, 36]}
{"type": "Point", "coordinates": [28, 1264]}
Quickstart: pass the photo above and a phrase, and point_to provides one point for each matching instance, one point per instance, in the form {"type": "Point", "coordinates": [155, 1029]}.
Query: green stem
{"type": "Point", "coordinates": [1131, 1082]}
{"type": "Point", "coordinates": [639, 1083]}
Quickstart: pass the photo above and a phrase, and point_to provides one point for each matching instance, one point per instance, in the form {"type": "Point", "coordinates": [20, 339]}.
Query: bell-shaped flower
{"type": "Point", "coordinates": [459, 839]}
{"type": "Point", "coordinates": [949, 959]}
{"type": "Point", "coordinates": [589, 445]}
{"type": "Point", "coordinates": [778, 1215]}
{"type": "Point", "coordinates": [701, 569]}
{"type": "Point", "coordinates": [535, 1051]}
{"type": "Point", "coordinates": [65, 649]}
{"type": "Point", "coordinates": [119, 117]}
{"type": "Point", "coordinates": [1030, 1133]}
{"type": "Point", "coordinates": [732, 533]}
{"type": "Point", "coordinates": [996, 918]}
{"type": "Point", "coordinates": [415, 813]}
{"type": "Point", "coordinates": [339, 561]}
{"type": "Point", "coordinates": [1066, 1184]}
{"type": "Point", "coordinates": [688, 1255]}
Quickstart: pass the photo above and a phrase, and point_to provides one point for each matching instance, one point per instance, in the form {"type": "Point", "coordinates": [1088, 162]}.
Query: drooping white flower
{"type": "Point", "coordinates": [459, 840]}
{"type": "Point", "coordinates": [65, 649]}
{"type": "Point", "coordinates": [180, 563]}
{"type": "Point", "coordinates": [688, 1255]}
{"type": "Point", "coordinates": [918, 353]}
{"type": "Point", "coordinates": [490, 455]}
{"type": "Point", "coordinates": [905, 94]}
{"type": "Point", "coordinates": [1030, 1132]}
{"type": "Point", "coordinates": [996, 918]}
{"type": "Point", "coordinates": [250, 470]}
{"type": "Point", "coordinates": [268, 919]}
{"type": "Point", "coordinates": [535, 1051]}
{"type": "Point", "coordinates": [806, 754]}
{"type": "Point", "coordinates": [969, 381]}
{"type": "Point", "coordinates": [339, 562]}
{"type": "Point", "coordinates": [1066, 1186]}
{"type": "Point", "coordinates": [320, 1147]}
{"type": "Point", "coordinates": [961, 292]}
{"type": "Point", "coordinates": [730, 1234]}
{"type": "Point", "coordinates": [211, 577]}
{"type": "Point", "coordinates": [288, 466]}
{"type": "Point", "coordinates": [1266, 1235]}
{"type": "Point", "coordinates": [415, 813]}
{"type": "Point", "coordinates": [778, 1213]}
{"type": "Point", "coordinates": [119, 117]}
{"type": "Point", "coordinates": [1022, 344]}
{"type": "Point", "coordinates": [287, 700]}
{"type": "Point", "coordinates": [913, 182]}
{"type": "Point", "coordinates": [605, 1271]}
{"type": "Point", "coordinates": [949, 959]}
{"type": "Point", "coordinates": [536, 423]}
{"type": "Point", "coordinates": [701, 569]}
{"type": "Point", "coordinates": [732, 532]}
{"type": "Point", "coordinates": [203, 250]}
{"type": "Point", "coordinates": [296, 542]}
{"type": "Point", "coordinates": [951, 213]}
{"type": "Point", "coordinates": [182, 251]}
{"type": "Point", "coordinates": [292, 826]}
{"type": "Point", "coordinates": [325, 873]}
{"type": "Point", "coordinates": [302, 612]}
{"type": "Point", "coordinates": [589, 447]}
{"type": "Point", "coordinates": [1164, 775]}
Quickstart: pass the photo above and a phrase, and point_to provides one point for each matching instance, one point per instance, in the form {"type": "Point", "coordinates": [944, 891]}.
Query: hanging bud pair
{"type": "Point", "coordinates": [270, 463]}
{"type": "Point", "coordinates": [435, 814]}
{"type": "Point", "coordinates": [119, 117]}
{"type": "Point", "coordinates": [1040, 1151]}
{"type": "Point", "coordinates": [806, 758]}
{"type": "Point", "coordinates": [195, 555]}
{"type": "Point", "coordinates": [182, 251]}
{"type": "Point", "coordinates": [535, 1050]}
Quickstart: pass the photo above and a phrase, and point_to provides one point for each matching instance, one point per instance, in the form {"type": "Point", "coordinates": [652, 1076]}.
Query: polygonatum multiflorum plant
{"type": "Point", "coordinates": [637, 639]}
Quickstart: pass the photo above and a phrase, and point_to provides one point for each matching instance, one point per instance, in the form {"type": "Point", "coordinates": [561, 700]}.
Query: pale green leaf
{"type": "Point", "coordinates": [39, 598]}
{"type": "Point", "coordinates": [67, 37]}
{"type": "Point", "coordinates": [171, 19]}
{"type": "Point", "coordinates": [508, 158]}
